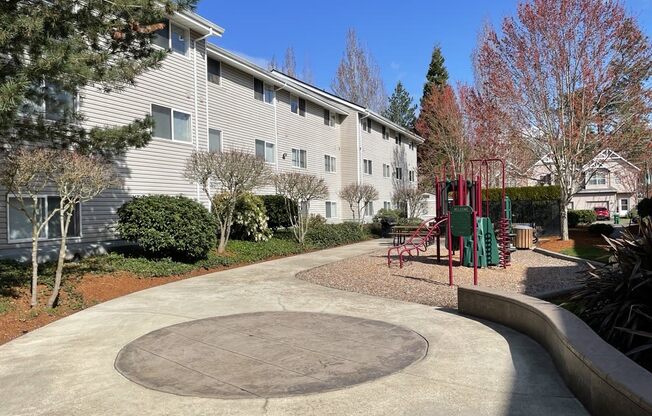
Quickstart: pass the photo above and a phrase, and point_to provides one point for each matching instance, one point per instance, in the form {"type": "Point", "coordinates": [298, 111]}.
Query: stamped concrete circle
{"type": "Point", "coordinates": [268, 354]}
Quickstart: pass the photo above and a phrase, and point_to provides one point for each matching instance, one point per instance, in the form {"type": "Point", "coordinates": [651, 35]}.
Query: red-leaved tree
{"type": "Point", "coordinates": [569, 78]}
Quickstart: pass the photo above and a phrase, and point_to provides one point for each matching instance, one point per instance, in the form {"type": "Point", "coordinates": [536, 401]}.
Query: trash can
{"type": "Point", "coordinates": [616, 218]}
{"type": "Point", "coordinates": [386, 225]}
{"type": "Point", "coordinates": [524, 236]}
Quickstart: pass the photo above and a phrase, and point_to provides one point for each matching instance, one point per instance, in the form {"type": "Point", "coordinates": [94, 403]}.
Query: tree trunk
{"type": "Point", "coordinates": [65, 222]}
{"type": "Point", "coordinates": [563, 218]}
{"type": "Point", "coordinates": [222, 245]}
{"type": "Point", "coordinates": [34, 300]}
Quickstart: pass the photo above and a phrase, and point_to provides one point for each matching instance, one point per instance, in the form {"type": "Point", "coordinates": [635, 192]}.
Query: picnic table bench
{"type": "Point", "coordinates": [400, 233]}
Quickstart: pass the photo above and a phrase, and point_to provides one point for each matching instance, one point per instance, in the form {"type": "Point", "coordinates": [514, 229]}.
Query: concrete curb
{"type": "Point", "coordinates": [603, 379]}
{"type": "Point", "coordinates": [566, 257]}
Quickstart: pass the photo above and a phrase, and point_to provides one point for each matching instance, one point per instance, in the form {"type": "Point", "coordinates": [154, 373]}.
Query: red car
{"type": "Point", "coordinates": [602, 213]}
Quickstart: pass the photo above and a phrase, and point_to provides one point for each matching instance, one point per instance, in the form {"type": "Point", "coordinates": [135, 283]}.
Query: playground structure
{"type": "Point", "coordinates": [468, 227]}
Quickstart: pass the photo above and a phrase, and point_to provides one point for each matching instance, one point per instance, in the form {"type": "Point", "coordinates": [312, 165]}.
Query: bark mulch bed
{"type": "Point", "coordinates": [422, 280]}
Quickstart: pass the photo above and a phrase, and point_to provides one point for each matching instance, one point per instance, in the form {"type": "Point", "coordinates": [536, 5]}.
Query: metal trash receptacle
{"type": "Point", "coordinates": [524, 237]}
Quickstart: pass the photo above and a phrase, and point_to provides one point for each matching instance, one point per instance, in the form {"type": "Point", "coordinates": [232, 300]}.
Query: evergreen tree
{"type": "Point", "coordinates": [401, 110]}
{"type": "Point", "coordinates": [51, 52]}
{"type": "Point", "coordinates": [437, 74]}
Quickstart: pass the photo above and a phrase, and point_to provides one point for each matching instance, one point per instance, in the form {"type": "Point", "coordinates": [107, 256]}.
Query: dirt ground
{"type": "Point", "coordinates": [577, 238]}
{"type": "Point", "coordinates": [424, 281]}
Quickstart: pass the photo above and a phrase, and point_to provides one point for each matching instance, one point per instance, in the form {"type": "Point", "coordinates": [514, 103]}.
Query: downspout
{"type": "Point", "coordinates": [194, 74]}
{"type": "Point", "coordinates": [276, 123]}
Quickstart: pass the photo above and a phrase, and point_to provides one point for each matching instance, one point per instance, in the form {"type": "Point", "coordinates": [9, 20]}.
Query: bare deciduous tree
{"type": "Point", "coordinates": [300, 189]}
{"type": "Point", "coordinates": [412, 197]}
{"type": "Point", "coordinates": [572, 78]}
{"type": "Point", "coordinates": [358, 197]}
{"type": "Point", "coordinates": [78, 178]}
{"type": "Point", "coordinates": [358, 76]}
{"type": "Point", "coordinates": [231, 174]}
{"type": "Point", "coordinates": [290, 62]}
{"type": "Point", "coordinates": [25, 173]}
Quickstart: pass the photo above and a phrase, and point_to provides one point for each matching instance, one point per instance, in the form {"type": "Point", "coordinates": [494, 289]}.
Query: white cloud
{"type": "Point", "coordinates": [261, 62]}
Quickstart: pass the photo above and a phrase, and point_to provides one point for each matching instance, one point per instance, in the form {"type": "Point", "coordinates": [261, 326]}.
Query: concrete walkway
{"type": "Point", "coordinates": [471, 367]}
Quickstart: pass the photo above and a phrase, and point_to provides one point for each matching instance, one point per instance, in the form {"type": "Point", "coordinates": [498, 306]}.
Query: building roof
{"type": "Point", "coordinates": [198, 23]}
{"type": "Point", "coordinates": [595, 163]}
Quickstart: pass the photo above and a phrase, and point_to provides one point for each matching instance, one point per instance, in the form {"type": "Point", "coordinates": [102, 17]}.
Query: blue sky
{"type": "Point", "coordinates": [399, 34]}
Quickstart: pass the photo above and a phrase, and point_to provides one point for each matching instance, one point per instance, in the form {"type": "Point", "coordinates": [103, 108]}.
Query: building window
{"type": "Point", "coordinates": [263, 92]}
{"type": "Point", "coordinates": [298, 105]}
{"type": "Point", "coordinates": [299, 158]}
{"type": "Point", "coordinates": [268, 94]}
{"type": "Point", "coordinates": [368, 166]}
{"type": "Point", "coordinates": [366, 124]}
{"type": "Point", "coordinates": [20, 228]}
{"type": "Point", "coordinates": [385, 133]}
{"type": "Point", "coordinates": [330, 164]}
{"type": "Point", "coordinates": [387, 205]}
{"type": "Point", "coordinates": [398, 174]}
{"type": "Point", "coordinates": [214, 140]}
{"type": "Point", "coordinates": [369, 209]}
{"type": "Point", "coordinates": [266, 151]}
{"type": "Point", "coordinates": [599, 178]}
{"type": "Point", "coordinates": [386, 170]}
{"type": "Point", "coordinates": [624, 204]}
{"type": "Point", "coordinates": [172, 37]}
{"type": "Point", "coordinates": [51, 102]}
{"type": "Point", "coordinates": [329, 118]}
{"type": "Point", "coordinates": [171, 124]}
{"type": "Point", "coordinates": [214, 70]}
{"type": "Point", "coordinates": [411, 145]}
{"type": "Point", "coordinates": [331, 209]}
{"type": "Point", "coordinates": [398, 139]}
{"type": "Point", "coordinates": [411, 175]}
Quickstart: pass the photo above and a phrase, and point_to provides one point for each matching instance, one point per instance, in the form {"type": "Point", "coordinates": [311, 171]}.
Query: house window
{"type": "Point", "coordinates": [299, 158]}
{"type": "Point", "coordinates": [49, 100]}
{"type": "Point", "coordinates": [387, 205]}
{"type": "Point", "coordinates": [369, 209]}
{"type": "Point", "coordinates": [385, 133]}
{"type": "Point", "coordinates": [398, 139]}
{"type": "Point", "coordinates": [171, 124]}
{"type": "Point", "coordinates": [268, 94]}
{"type": "Point", "coordinates": [599, 177]}
{"type": "Point", "coordinates": [410, 145]}
{"type": "Point", "coordinates": [214, 70]}
{"type": "Point", "coordinates": [266, 151]}
{"type": "Point", "coordinates": [329, 118]}
{"type": "Point", "coordinates": [624, 204]}
{"type": "Point", "coordinates": [331, 209]}
{"type": "Point", "coordinates": [386, 170]}
{"type": "Point", "coordinates": [411, 175]}
{"type": "Point", "coordinates": [258, 89]}
{"type": "Point", "coordinates": [330, 164]}
{"type": "Point", "coordinates": [214, 140]}
{"type": "Point", "coordinates": [366, 125]}
{"type": "Point", "coordinates": [20, 228]}
{"type": "Point", "coordinates": [368, 166]}
{"type": "Point", "coordinates": [172, 37]}
{"type": "Point", "coordinates": [398, 174]}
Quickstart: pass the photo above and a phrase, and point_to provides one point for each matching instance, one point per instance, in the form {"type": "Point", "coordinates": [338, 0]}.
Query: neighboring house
{"type": "Point", "coordinates": [609, 181]}
{"type": "Point", "coordinates": [206, 98]}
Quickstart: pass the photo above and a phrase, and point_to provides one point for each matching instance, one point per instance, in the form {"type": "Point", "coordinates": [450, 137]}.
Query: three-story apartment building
{"type": "Point", "coordinates": [206, 98]}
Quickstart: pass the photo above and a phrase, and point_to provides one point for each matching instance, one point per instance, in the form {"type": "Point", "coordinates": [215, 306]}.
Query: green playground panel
{"type": "Point", "coordinates": [487, 245]}
{"type": "Point", "coordinates": [461, 221]}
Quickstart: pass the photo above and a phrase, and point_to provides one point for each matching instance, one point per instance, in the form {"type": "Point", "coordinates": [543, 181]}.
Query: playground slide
{"type": "Point", "coordinates": [418, 241]}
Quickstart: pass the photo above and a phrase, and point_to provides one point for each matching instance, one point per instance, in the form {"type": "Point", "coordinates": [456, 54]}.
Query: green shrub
{"type": "Point", "coordinates": [277, 216]}
{"type": "Point", "coordinates": [644, 207]}
{"type": "Point", "coordinates": [168, 226]}
{"type": "Point", "coordinates": [249, 219]}
{"type": "Point", "coordinates": [601, 229]}
{"type": "Point", "coordinates": [528, 193]}
{"type": "Point", "coordinates": [388, 215]}
{"type": "Point", "coordinates": [316, 220]}
{"type": "Point", "coordinates": [330, 235]}
{"type": "Point", "coordinates": [581, 216]}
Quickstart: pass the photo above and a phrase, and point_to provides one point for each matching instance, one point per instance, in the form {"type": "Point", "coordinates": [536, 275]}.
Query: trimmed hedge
{"type": "Point", "coordinates": [527, 193]}
{"type": "Point", "coordinates": [644, 207]}
{"type": "Point", "coordinates": [601, 229]}
{"type": "Point", "coordinates": [331, 235]}
{"type": "Point", "coordinates": [581, 216]}
{"type": "Point", "coordinates": [168, 226]}
{"type": "Point", "coordinates": [277, 216]}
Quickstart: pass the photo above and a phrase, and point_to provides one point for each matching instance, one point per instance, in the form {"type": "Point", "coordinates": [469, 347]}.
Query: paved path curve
{"type": "Point", "coordinates": [471, 368]}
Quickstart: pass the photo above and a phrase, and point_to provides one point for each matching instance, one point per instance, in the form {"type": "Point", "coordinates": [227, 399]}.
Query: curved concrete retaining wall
{"type": "Point", "coordinates": [603, 379]}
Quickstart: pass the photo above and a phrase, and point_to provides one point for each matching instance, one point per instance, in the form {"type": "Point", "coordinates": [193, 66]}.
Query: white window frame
{"type": "Point", "coordinates": [331, 165]}
{"type": "Point", "coordinates": [266, 87]}
{"type": "Point", "coordinates": [594, 180]}
{"type": "Point", "coordinates": [298, 100]}
{"type": "Point", "coordinates": [410, 145]}
{"type": "Point", "coordinates": [366, 124]}
{"type": "Point", "coordinates": [398, 139]}
{"type": "Point", "coordinates": [621, 204]}
{"type": "Point", "coordinates": [396, 173]}
{"type": "Point", "coordinates": [47, 225]}
{"type": "Point", "coordinates": [172, 111]}
{"type": "Point", "coordinates": [333, 207]}
{"type": "Point", "coordinates": [370, 169]}
{"type": "Point", "coordinates": [411, 175]}
{"type": "Point", "coordinates": [186, 34]}
{"type": "Point", "coordinates": [386, 132]}
{"type": "Point", "coordinates": [208, 143]}
{"type": "Point", "coordinates": [219, 74]}
{"type": "Point", "coordinates": [387, 205]}
{"type": "Point", "coordinates": [298, 159]}
{"type": "Point", "coordinates": [272, 162]}
{"type": "Point", "coordinates": [387, 171]}
{"type": "Point", "coordinates": [369, 209]}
